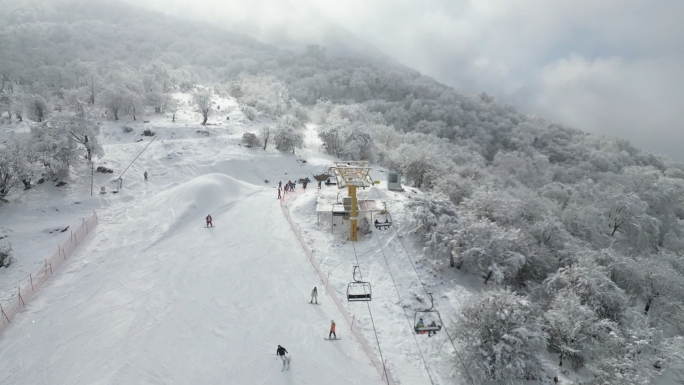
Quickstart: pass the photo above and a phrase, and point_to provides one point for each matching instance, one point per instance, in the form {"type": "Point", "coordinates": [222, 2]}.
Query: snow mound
{"type": "Point", "coordinates": [193, 200]}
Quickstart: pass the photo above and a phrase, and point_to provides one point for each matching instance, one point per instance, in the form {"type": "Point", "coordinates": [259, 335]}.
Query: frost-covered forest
{"type": "Point", "coordinates": [578, 238]}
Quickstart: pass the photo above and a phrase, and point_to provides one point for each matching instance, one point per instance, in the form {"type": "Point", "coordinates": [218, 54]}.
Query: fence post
{"type": "Point", "coordinates": [31, 278]}
{"type": "Point", "coordinates": [352, 323]}
{"type": "Point", "coordinates": [384, 370]}
{"type": "Point", "coordinates": [326, 281]}
{"type": "Point", "coordinates": [86, 223]}
{"type": "Point", "coordinates": [19, 293]}
{"type": "Point", "coordinates": [4, 315]}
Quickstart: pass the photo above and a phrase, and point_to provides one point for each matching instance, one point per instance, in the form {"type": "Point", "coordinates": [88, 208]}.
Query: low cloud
{"type": "Point", "coordinates": [609, 67]}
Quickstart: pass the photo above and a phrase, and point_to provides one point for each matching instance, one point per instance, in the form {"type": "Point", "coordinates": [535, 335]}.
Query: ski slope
{"type": "Point", "coordinates": [154, 297]}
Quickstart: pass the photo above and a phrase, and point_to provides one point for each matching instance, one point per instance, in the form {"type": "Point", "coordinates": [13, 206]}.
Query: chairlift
{"type": "Point", "coordinates": [358, 290]}
{"type": "Point", "coordinates": [383, 220]}
{"type": "Point", "coordinates": [430, 314]}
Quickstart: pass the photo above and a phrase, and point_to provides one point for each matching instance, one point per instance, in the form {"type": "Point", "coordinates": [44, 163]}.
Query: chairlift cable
{"type": "Point", "coordinates": [408, 255]}
{"type": "Point", "coordinates": [404, 309]}
{"type": "Point", "coordinates": [375, 331]}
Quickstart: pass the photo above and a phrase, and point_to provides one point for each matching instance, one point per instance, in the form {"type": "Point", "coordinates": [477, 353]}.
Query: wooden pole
{"type": "Point", "coordinates": [4, 315]}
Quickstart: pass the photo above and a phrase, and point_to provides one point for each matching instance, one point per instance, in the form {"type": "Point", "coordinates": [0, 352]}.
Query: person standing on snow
{"type": "Point", "coordinates": [332, 329]}
{"type": "Point", "coordinates": [209, 221]}
{"type": "Point", "coordinates": [280, 184]}
{"type": "Point", "coordinates": [282, 352]}
{"type": "Point", "coordinates": [278, 192]}
{"type": "Point", "coordinates": [319, 184]}
{"type": "Point", "coordinates": [314, 295]}
{"type": "Point", "coordinates": [145, 174]}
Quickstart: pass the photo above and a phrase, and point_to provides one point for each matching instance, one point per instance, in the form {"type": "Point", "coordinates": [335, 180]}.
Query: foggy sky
{"type": "Point", "coordinates": [613, 67]}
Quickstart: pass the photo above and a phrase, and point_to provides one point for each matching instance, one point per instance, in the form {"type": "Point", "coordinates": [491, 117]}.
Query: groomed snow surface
{"type": "Point", "coordinates": [154, 297]}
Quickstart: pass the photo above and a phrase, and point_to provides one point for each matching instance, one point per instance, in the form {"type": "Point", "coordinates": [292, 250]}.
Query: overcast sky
{"type": "Point", "coordinates": [610, 66]}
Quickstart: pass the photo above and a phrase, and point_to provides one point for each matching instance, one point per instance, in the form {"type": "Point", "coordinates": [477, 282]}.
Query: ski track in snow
{"type": "Point", "coordinates": [153, 297]}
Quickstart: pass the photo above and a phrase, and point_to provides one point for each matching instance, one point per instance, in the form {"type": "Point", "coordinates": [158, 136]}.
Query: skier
{"type": "Point", "coordinates": [209, 221]}
{"type": "Point", "coordinates": [281, 351]}
{"type": "Point", "coordinates": [145, 174]}
{"type": "Point", "coordinates": [319, 184]}
{"type": "Point", "coordinates": [314, 295]}
{"type": "Point", "coordinates": [279, 193]}
{"type": "Point", "coordinates": [332, 329]}
{"type": "Point", "coordinates": [304, 185]}
{"type": "Point", "coordinates": [280, 185]}
{"type": "Point", "coordinates": [287, 188]}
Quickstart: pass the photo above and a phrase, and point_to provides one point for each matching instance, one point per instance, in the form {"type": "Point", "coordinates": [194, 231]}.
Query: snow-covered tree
{"type": "Point", "coordinates": [37, 108]}
{"type": "Point", "coordinates": [591, 283]}
{"type": "Point", "coordinates": [485, 248]}
{"type": "Point", "coordinates": [503, 337]}
{"type": "Point", "coordinates": [173, 105]}
{"type": "Point", "coordinates": [84, 133]}
{"type": "Point", "coordinates": [265, 135]}
{"type": "Point", "coordinates": [54, 147]}
{"type": "Point", "coordinates": [436, 221]}
{"type": "Point", "coordinates": [288, 136]}
{"type": "Point", "coordinates": [115, 99]}
{"type": "Point", "coordinates": [6, 103]}
{"type": "Point", "coordinates": [135, 103]}
{"type": "Point", "coordinates": [572, 327]}
{"type": "Point", "coordinates": [202, 100]}
{"type": "Point", "coordinates": [250, 139]}
{"type": "Point", "coordinates": [12, 166]}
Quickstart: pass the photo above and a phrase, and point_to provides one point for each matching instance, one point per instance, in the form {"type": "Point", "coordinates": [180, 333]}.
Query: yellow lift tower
{"type": "Point", "coordinates": [353, 174]}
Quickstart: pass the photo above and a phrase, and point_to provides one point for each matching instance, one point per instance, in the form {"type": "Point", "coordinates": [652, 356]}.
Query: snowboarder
{"type": "Point", "coordinates": [280, 185]}
{"type": "Point", "coordinates": [314, 295]}
{"type": "Point", "coordinates": [332, 329]}
{"type": "Point", "coordinates": [319, 184]}
{"type": "Point", "coordinates": [279, 197]}
{"type": "Point", "coordinates": [209, 221]}
{"type": "Point", "coordinates": [282, 352]}
{"type": "Point", "coordinates": [304, 186]}
{"type": "Point", "coordinates": [145, 174]}
{"type": "Point", "coordinates": [287, 188]}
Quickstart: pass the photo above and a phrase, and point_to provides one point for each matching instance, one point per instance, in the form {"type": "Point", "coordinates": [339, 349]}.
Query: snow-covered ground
{"type": "Point", "coordinates": [155, 297]}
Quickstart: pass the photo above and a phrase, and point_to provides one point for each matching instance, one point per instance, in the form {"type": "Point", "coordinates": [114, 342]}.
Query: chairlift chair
{"type": "Point", "coordinates": [358, 290]}
{"type": "Point", "coordinates": [383, 220]}
{"type": "Point", "coordinates": [432, 315]}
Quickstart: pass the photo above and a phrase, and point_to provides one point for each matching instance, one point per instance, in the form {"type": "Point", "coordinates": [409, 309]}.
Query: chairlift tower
{"type": "Point", "coordinates": [353, 174]}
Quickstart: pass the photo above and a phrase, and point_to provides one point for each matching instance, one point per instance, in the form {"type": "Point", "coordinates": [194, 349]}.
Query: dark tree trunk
{"type": "Point", "coordinates": [489, 276]}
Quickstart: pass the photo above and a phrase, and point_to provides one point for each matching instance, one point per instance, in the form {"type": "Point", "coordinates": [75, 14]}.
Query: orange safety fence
{"type": "Point", "coordinates": [356, 331]}
{"type": "Point", "coordinates": [35, 281]}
